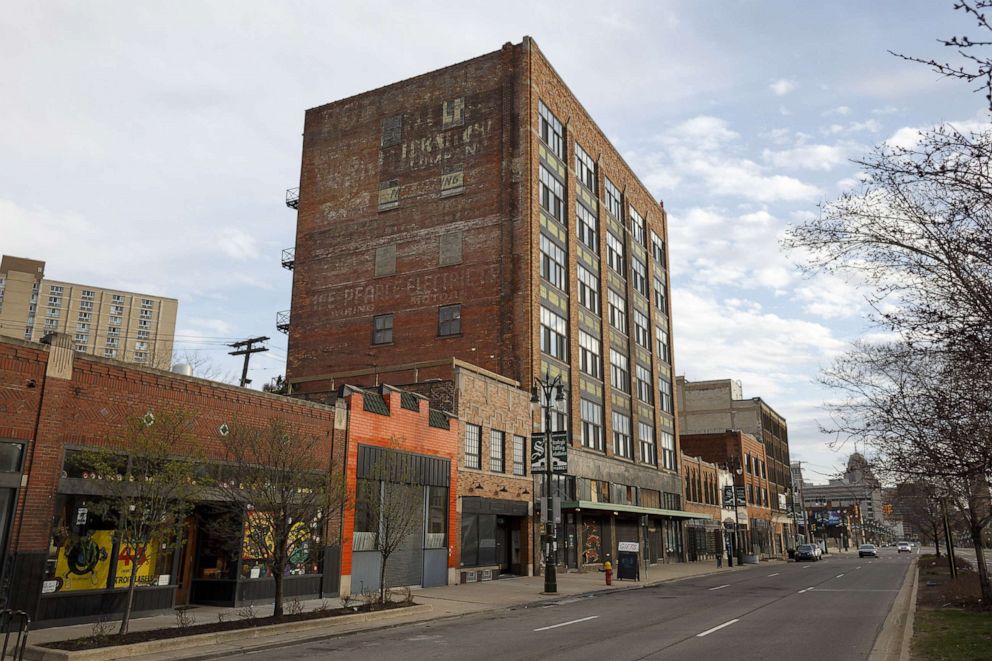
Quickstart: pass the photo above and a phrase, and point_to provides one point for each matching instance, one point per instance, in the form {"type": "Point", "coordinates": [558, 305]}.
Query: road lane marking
{"type": "Point", "coordinates": [565, 624]}
{"type": "Point", "coordinates": [805, 566]}
{"type": "Point", "coordinates": [806, 590]}
{"type": "Point", "coordinates": [717, 628]}
{"type": "Point", "coordinates": [839, 576]}
{"type": "Point", "coordinates": [858, 567]}
{"type": "Point", "coordinates": [775, 574]}
{"type": "Point", "coordinates": [720, 587]}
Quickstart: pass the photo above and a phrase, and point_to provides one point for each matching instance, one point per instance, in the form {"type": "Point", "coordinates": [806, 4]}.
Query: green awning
{"type": "Point", "coordinates": [631, 509]}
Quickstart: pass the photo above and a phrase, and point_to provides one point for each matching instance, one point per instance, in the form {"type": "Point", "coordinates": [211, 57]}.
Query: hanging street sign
{"type": "Point", "coordinates": [559, 452]}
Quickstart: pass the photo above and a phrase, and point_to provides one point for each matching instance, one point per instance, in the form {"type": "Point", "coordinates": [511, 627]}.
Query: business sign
{"type": "Point", "coordinates": [728, 497]}
{"type": "Point", "coordinates": [559, 452]}
{"type": "Point", "coordinates": [632, 547]}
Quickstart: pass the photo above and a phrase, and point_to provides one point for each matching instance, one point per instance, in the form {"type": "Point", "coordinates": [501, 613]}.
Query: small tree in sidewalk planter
{"type": "Point", "coordinates": [146, 486]}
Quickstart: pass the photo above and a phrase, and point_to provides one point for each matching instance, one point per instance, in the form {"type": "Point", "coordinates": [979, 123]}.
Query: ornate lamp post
{"type": "Point", "coordinates": [548, 393]}
{"type": "Point", "coordinates": [734, 464]}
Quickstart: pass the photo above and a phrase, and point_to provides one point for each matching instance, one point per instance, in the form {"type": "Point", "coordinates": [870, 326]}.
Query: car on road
{"type": "Point", "coordinates": [806, 552]}
{"type": "Point", "coordinates": [867, 550]}
{"type": "Point", "coordinates": [904, 547]}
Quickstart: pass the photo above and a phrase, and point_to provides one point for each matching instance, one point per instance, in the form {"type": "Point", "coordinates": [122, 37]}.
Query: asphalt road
{"type": "Point", "coordinates": [831, 609]}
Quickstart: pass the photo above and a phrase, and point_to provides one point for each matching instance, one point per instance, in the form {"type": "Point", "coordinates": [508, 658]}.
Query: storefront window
{"type": "Point", "coordinates": [304, 542]}
{"type": "Point", "coordinates": [437, 518]}
{"type": "Point", "coordinates": [217, 549]}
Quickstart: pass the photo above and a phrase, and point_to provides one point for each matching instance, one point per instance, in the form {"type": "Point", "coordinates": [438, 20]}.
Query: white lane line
{"type": "Point", "coordinates": [805, 566]}
{"type": "Point", "coordinates": [717, 628]}
{"type": "Point", "coordinates": [775, 574]}
{"type": "Point", "coordinates": [720, 587]}
{"type": "Point", "coordinates": [858, 567]}
{"type": "Point", "coordinates": [806, 590]}
{"type": "Point", "coordinates": [839, 576]}
{"type": "Point", "coordinates": [565, 624]}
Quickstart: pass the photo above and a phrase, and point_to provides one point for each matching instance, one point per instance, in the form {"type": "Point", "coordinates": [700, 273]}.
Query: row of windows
{"type": "Point", "coordinates": [497, 450]}
{"type": "Point", "coordinates": [449, 322]}
{"type": "Point", "coordinates": [592, 436]}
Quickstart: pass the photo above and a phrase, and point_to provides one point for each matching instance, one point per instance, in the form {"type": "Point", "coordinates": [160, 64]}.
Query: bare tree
{"type": "Point", "coordinates": [149, 486]}
{"type": "Point", "coordinates": [279, 486]}
{"type": "Point", "coordinates": [920, 504]}
{"type": "Point", "coordinates": [203, 366]}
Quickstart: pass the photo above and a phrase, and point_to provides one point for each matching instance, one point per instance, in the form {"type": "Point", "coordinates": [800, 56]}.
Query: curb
{"type": "Point", "coordinates": [894, 637]}
{"type": "Point", "coordinates": [40, 653]}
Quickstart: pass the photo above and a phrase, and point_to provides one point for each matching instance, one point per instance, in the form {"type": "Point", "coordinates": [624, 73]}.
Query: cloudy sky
{"type": "Point", "coordinates": [148, 146]}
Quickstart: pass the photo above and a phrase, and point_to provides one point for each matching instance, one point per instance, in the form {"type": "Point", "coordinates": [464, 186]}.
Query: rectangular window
{"type": "Point", "coordinates": [382, 329]}
{"type": "Point", "coordinates": [116, 321]}
{"type": "Point", "coordinates": [636, 226]}
{"type": "Point", "coordinates": [449, 320]}
{"type": "Point", "coordinates": [51, 324]}
{"type": "Point", "coordinates": [85, 316]}
{"type": "Point", "coordinates": [55, 301]}
{"type": "Point", "coordinates": [665, 386]}
{"type": "Point", "coordinates": [615, 254]}
{"type": "Point", "coordinates": [143, 323]}
{"type": "Point", "coordinates": [83, 327]}
{"type": "Point", "coordinates": [660, 297]}
{"type": "Point", "coordinates": [146, 304]}
{"type": "Point", "coordinates": [641, 336]}
{"type": "Point", "coordinates": [590, 355]}
{"type": "Point", "coordinates": [56, 289]}
{"type": "Point", "coordinates": [551, 130]}
{"type": "Point", "coordinates": [554, 331]}
{"type": "Point", "coordinates": [88, 294]}
{"type": "Point", "coordinates": [613, 203]}
{"type": "Point", "coordinates": [622, 446]}
{"type": "Point", "coordinates": [592, 424]}
{"type": "Point", "coordinates": [143, 335]}
{"type": "Point", "coordinates": [85, 305]}
{"type": "Point", "coordinates": [588, 289]}
{"type": "Point", "coordinates": [618, 310]}
{"type": "Point", "coordinates": [658, 249]}
{"type": "Point", "coordinates": [473, 446]}
{"type": "Point", "coordinates": [437, 518]}
{"type": "Point", "coordinates": [620, 370]}
{"type": "Point", "coordinates": [551, 194]}
{"type": "Point", "coordinates": [747, 463]}
{"type": "Point", "coordinates": [519, 455]}
{"type": "Point", "coordinates": [668, 450]}
{"type": "Point", "coordinates": [639, 276]}
{"type": "Point", "coordinates": [645, 392]}
{"type": "Point", "coordinates": [497, 449]}
{"type": "Point", "coordinates": [110, 353]}
{"type": "Point", "coordinates": [117, 298]}
{"type": "Point", "coordinates": [113, 331]}
{"type": "Point", "coordinates": [145, 314]}
{"type": "Point", "coordinates": [53, 312]}
{"type": "Point", "coordinates": [661, 338]}
{"type": "Point", "coordinates": [587, 227]}
{"type": "Point", "coordinates": [648, 450]}
{"type": "Point", "coordinates": [585, 168]}
{"type": "Point", "coordinates": [553, 263]}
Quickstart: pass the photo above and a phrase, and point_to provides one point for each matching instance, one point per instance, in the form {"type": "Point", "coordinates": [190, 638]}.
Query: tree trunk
{"type": "Point", "coordinates": [983, 570]}
{"type": "Point", "coordinates": [277, 576]}
{"type": "Point", "coordinates": [129, 602]}
{"type": "Point", "coordinates": [382, 579]}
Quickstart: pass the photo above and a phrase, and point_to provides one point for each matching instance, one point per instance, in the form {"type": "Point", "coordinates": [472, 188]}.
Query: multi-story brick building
{"type": "Point", "coordinates": [702, 486]}
{"type": "Point", "coordinates": [137, 328]}
{"type": "Point", "coordinates": [478, 212]}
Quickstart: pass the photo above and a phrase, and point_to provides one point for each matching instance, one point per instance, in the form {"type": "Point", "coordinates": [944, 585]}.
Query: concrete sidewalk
{"type": "Point", "coordinates": [446, 601]}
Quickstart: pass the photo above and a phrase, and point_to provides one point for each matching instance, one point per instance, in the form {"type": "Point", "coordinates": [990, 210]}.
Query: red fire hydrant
{"type": "Point", "coordinates": [608, 568]}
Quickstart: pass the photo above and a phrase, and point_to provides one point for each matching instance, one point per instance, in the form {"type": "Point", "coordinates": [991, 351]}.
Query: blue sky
{"type": "Point", "coordinates": [160, 139]}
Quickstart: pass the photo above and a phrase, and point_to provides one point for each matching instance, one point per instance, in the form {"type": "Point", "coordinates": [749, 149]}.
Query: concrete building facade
{"type": "Point", "coordinates": [128, 326]}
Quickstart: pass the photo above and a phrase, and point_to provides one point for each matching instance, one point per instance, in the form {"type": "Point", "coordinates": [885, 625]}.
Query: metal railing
{"type": "Point", "coordinates": [14, 625]}
{"type": "Point", "coordinates": [282, 321]}
{"type": "Point", "coordinates": [293, 198]}
{"type": "Point", "coordinates": [289, 258]}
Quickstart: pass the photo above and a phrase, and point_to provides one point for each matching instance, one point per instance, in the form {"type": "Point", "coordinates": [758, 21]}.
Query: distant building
{"type": "Point", "coordinates": [110, 323]}
{"type": "Point", "coordinates": [796, 468]}
{"type": "Point", "coordinates": [859, 488]}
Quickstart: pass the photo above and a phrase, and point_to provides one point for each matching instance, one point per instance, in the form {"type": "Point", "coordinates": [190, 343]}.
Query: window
{"type": "Point", "coordinates": [53, 312]}
{"type": "Point", "coordinates": [497, 448]}
{"type": "Point", "coordinates": [639, 276]}
{"type": "Point", "coordinates": [621, 435]}
{"type": "Point", "coordinates": [116, 321]}
{"type": "Point", "coordinates": [588, 289]}
{"type": "Point", "coordinates": [661, 337]}
{"type": "Point", "coordinates": [85, 316]}
{"type": "Point", "coordinates": [668, 450]}
{"type": "Point", "coordinates": [112, 341]}
{"type": "Point", "coordinates": [648, 450]}
{"type": "Point", "coordinates": [146, 314]}
{"type": "Point", "coordinates": [590, 355]}
{"type": "Point", "coordinates": [143, 334]}
{"type": "Point", "coordinates": [613, 204]}
{"type": "Point", "coordinates": [519, 455]}
{"type": "Point", "coordinates": [143, 323]}
{"type": "Point", "coordinates": [620, 370]}
{"type": "Point", "coordinates": [88, 294]}
{"type": "Point", "coordinates": [141, 346]}
{"type": "Point", "coordinates": [55, 301]}
{"type": "Point", "coordinates": [449, 320]}
{"type": "Point", "coordinates": [146, 304]}
{"type": "Point", "coordinates": [644, 390]}
{"type": "Point", "coordinates": [51, 324]}
{"type": "Point", "coordinates": [553, 334]}
{"type": "Point", "coordinates": [615, 254]}
{"type": "Point", "coordinates": [117, 298]}
{"type": "Point", "coordinates": [641, 336]}
{"type": "Point", "coordinates": [552, 194]}
{"type": "Point", "coordinates": [82, 327]}
{"type": "Point", "coordinates": [437, 518]}
{"type": "Point", "coordinates": [140, 356]}
{"type": "Point", "coordinates": [553, 263]}
{"type": "Point", "coordinates": [586, 225]}
{"type": "Point", "coordinates": [85, 305]}
{"type": "Point", "coordinates": [660, 299]}
{"type": "Point", "coordinates": [618, 311]}
{"type": "Point", "coordinates": [56, 289]}
{"type": "Point", "coordinates": [666, 394]}
{"type": "Point", "coordinates": [585, 168]}
{"type": "Point", "coordinates": [382, 329]}
{"type": "Point", "coordinates": [592, 424]}
{"type": "Point", "coordinates": [747, 463]}
{"type": "Point", "coordinates": [114, 331]}
{"type": "Point", "coordinates": [551, 130]}
{"type": "Point", "coordinates": [658, 249]}
{"type": "Point", "coordinates": [473, 446]}
{"type": "Point", "coordinates": [82, 338]}
{"type": "Point", "coordinates": [110, 353]}
{"type": "Point", "coordinates": [636, 226]}
{"type": "Point", "coordinates": [116, 309]}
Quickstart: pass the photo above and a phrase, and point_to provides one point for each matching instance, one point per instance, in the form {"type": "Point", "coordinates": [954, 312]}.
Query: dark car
{"type": "Point", "coordinates": [867, 549]}
{"type": "Point", "coordinates": [806, 552]}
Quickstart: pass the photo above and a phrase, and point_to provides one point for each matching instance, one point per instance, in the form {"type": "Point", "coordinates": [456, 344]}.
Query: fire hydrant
{"type": "Point", "coordinates": [608, 568]}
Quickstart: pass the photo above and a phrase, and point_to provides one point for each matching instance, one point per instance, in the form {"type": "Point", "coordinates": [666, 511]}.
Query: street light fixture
{"type": "Point", "coordinates": [553, 391]}
{"type": "Point", "coordinates": [734, 464]}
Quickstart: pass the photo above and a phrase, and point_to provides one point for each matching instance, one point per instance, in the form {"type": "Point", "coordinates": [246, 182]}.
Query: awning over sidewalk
{"type": "Point", "coordinates": [631, 509]}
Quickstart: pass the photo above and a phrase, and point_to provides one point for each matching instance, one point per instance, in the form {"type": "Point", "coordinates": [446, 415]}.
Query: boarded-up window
{"type": "Point", "coordinates": [452, 180]}
{"type": "Point", "coordinates": [385, 260]}
{"type": "Point", "coordinates": [453, 113]}
{"type": "Point", "coordinates": [389, 194]}
{"type": "Point", "coordinates": [451, 249]}
{"type": "Point", "coordinates": [392, 131]}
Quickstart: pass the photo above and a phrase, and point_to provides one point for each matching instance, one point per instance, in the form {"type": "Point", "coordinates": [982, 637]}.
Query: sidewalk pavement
{"type": "Point", "coordinates": [446, 601]}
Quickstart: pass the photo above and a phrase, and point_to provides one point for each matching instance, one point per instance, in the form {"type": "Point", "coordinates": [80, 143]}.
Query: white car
{"type": "Point", "coordinates": [904, 547]}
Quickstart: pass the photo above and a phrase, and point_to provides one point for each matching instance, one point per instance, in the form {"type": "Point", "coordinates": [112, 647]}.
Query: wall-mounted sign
{"type": "Point", "coordinates": [559, 452]}
{"type": "Point", "coordinates": [632, 547]}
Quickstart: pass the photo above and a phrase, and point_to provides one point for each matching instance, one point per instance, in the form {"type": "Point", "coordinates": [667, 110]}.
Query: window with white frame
{"type": "Point", "coordinates": [55, 301]}
{"type": "Point", "coordinates": [88, 294]}
{"type": "Point", "coordinates": [618, 310]}
{"type": "Point", "coordinates": [592, 424]}
{"type": "Point", "coordinates": [554, 331]}
{"type": "Point", "coordinates": [615, 254]}
{"type": "Point", "coordinates": [665, 386]}
{"type": "Point", "coordinates": [660, 297]}
{"type": "Point", "coordinates": [587, 228]}
{"type": "Point", "coordinates": [140, 356]}
{"type": "Point", "coordinates": [551, 130]}
{"type": "Point", "coordinates": [636, 226]}
{"type": "Point", "coordinates": [661, 339]}
{"type": "Point", "coordinates": [553, 263]}
{"type": "Point", "coordinates": [85, 316]}
{"type": "Point", "coordinates": [143, 334]}
{"type": "Point", "coordinates": [641, 334]}
{"type": "Point", "coordinates": [622, 447]}
{"type": "Point", "coordinates": [519, 455]}
{"type": "Point", "coordinates": [585, 168]}
{"type": "Point", "coordinates": [83, 327]}
{"type": "Point", "coordinates": [143, 323]}
{"type": "Point", "coordinates": [113, 331]}
{"type": "Point", "coordinates": [473, 446]}
{"type": "Point", "coordinates": [112, 341]}
{"type": "Point", "coordinates": [145, 314]}
{"type": "Point", "coordinates": [551, 194]}
{"type": "Point", "coordinates": [639, 276]}
{"type": "Point", "coordinates": [590, 355]}
{"type": "Point", "coordinates": [110, 353]}
{"type": "Point", "coordinates": [620, 370]}
{"type": "Point", "coordinates": [588, 289]}
{"type": "Point", "coordinates": [645, 434]}
{"type": "Point", "coordinates": [85, 305]}
{"type": "Point", "coordinates": [668, 450]}
{"type": "Point", "coordinates": [146, 304]}
{"type": "Point", "coordinates": [613, 200]}
{"type": "Point", "coordinates": [51, 324]}
{"type": "Point", "coordinates": [658, 249]}
{"type": "Point", "coordinates": [497, 450]}
{"type": "Point", "coordinates": [114, 321]}
{"type": "Point", "coordinates": [53, 312]}
{"type": "Point", "coordinates": [56, 289]}
{"type": "Point", "coordinates": [117, 298]}
{"type": "Point", "coordinates": [645, 392]}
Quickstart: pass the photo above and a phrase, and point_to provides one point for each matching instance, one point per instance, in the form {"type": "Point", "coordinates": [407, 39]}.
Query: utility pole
{"type": "Point", "coordinates": [246, 348]}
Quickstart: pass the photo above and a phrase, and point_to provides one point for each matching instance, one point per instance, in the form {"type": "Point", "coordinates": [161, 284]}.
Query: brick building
{"type": "Point", "coordinates": [478, 213]}
{"type": "Point", "coordinates": [702, 486]}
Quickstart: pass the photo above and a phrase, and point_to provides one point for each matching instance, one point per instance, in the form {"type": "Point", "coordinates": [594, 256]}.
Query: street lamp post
{"type": "Point", "coordinates": [553, 391]}
{"type": "Point", "coordinates": [734, 464]}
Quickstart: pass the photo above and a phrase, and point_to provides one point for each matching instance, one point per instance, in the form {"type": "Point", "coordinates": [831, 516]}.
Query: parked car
{"type": "Point", "coordinates": [904, 547]}
{"type": "Point", "coordinates": [867, 550]}
{"type": "Point", "coordinates": [807, 552]}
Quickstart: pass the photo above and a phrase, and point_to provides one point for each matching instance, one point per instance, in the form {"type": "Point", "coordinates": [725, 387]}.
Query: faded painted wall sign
{"type": "Point", "coordinates": [444, 145]}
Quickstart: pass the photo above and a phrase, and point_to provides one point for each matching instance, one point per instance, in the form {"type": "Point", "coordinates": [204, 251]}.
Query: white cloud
{"type": "Point", "coordinates": [782, 87]}
{"type": "Point", "coordinates": [839, 110]}
{"type": "Point", "coordinates": [238, 244]}
{"type": "Point", "coordinates": [807, 157]}
{"type": "Point", "coordinates": [830, 297]}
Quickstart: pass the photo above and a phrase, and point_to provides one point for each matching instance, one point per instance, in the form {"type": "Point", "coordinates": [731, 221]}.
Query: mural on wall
{"type": "Point", "coordinates": [591, 545]}
{"type": "Point", "coordinates": [83, 563]}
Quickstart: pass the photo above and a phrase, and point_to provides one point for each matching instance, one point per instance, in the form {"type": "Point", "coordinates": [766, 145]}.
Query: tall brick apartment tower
{"type": "Point", "coordinates": [477, 212]}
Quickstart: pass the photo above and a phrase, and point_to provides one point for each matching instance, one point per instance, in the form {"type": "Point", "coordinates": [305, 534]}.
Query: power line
{"type": "Point", "coordinates": [246, 348]}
